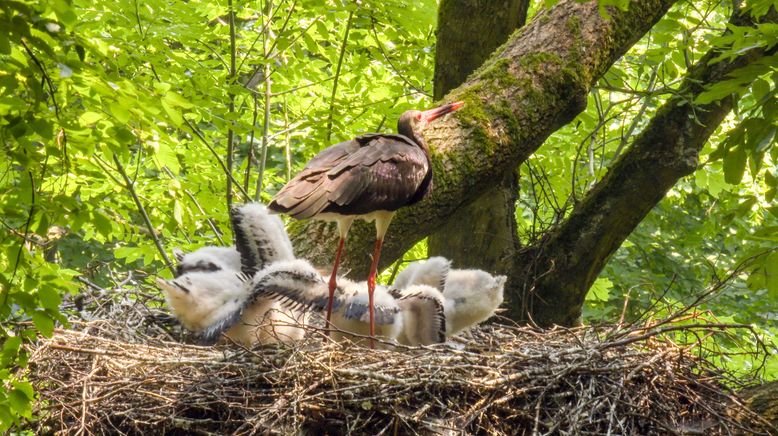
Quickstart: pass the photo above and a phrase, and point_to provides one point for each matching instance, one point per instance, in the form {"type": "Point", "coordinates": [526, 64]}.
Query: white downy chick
{"type": "Point", "coordinates": [430, 272]}
{"type": "Point", "coordinates": [424, 320]}
{"type": "Point", "coordinates": [471, 297]}
{"type": "Point", "coordinates": [298, 285]}
{"type": "Point", "coordinates": [219, 299]}
{"type": "Point", "coordinates": [212, 303]}
{"type": "Point", "coordinates": [200, 299]}
{"type": "Point", "coordinates": [207, 259]}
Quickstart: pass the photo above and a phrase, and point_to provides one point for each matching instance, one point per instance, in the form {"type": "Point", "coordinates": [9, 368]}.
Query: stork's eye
{"type": "Point", "coordinates": [418, 117]}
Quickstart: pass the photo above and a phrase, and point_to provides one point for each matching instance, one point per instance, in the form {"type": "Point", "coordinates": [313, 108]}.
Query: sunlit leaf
{"type": "Point", "coordinates": [735, 165]}
{"type": "Point", "coordinates": [600, 290]}
{"type": "Point", "coordinates": [43, 323]}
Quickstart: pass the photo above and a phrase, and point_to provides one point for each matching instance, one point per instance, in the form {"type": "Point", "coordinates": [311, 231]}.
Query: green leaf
{"type": "Point", "coordinates": [760, 88]}
{"type": "Point", "coordinates": [11, 349]}
{"type": "Point", "coordinates": [735, 165]}
{"type": "Point", "coordinates": [25, 387]}
{"type": "Point", "coordinates": [44, 323]}
{"type": "Point", "coordinates": [174, 99]}
{"type": "Point", "coordinates": [129, 254]}
{"type": "Point", "coordinates": [178, 213]}
{"type": "Point", "coordinates": [600, 290]}
{"type": "Point", "coordinates": [49, 298]}
{"type": "Point", "coordinates": [90, 117]}
{"type": "Point", "coordinates": [173, 113]}
{"type": "Point", "coordinates": [21, 404]}
{"type": "Point", "coordinates": [771, 274]}
{"type": "Point", "coordinates": [7, 418]}
{"type": "Point", "coordinates": [120, 112]}
{"type": "Point", "coordinates": [102, 223]}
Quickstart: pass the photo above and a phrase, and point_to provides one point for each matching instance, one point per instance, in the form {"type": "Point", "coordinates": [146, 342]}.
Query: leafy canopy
{"type": "Point", "coordinates": [116, 119]}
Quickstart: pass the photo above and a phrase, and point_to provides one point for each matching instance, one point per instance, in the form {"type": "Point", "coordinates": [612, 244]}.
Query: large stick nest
{"type": "Point", "coordinates": [495, 380]}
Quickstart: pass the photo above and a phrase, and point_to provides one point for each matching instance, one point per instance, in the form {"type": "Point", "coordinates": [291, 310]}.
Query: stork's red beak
{"type": "Point", "coordinates": [438, 112]}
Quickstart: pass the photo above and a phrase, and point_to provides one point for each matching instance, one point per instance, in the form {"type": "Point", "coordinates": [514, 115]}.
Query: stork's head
{"type": "Point", "coordinates": [207, 259]}
{"type": "Point", "coordinates": [412, 122]}
{"type": "Point", "coordinates": [198, 299]}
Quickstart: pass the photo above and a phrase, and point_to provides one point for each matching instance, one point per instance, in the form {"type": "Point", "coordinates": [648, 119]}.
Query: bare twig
{"type": "Point", "coordinates": [231, 105]}
{"type": "Point", "coordinates": [337, 74]}
{"type": "Point", "coordinates": [130, 186]}
{"type": "Point", "coordinates": [266, 116]}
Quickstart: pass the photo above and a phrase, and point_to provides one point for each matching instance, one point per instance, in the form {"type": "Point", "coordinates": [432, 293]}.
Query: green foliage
{"type": "Point", "coordinates": [717, 228]}
{"type": "Point", "coordinates": [115, 121]}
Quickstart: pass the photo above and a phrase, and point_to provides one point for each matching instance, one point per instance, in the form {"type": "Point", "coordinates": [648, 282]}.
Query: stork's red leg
{"type": "Point", "coordinates": [371, 289]}
{"type": "Point", "coordinates": [333, 283]}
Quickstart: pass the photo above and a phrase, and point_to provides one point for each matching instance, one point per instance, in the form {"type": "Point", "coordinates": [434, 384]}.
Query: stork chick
{"type": "Point", "coordinates": [212, 303]}
{"type": "Point", "coordinates": [412, 317]}
{"type": "Point", "coordinates": [430, 272]}
{"type": "Point", "coordinates": [210, 296]}
{"type": "Point", "coordinates": [199, 299]}
{"type": "Point", "coordinates": [207, 259]}
{"type": "Point", "coordinates": [470, 296]}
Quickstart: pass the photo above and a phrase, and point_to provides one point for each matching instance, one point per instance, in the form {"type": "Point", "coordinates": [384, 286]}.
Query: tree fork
{"type": "Point", "coordinates": [558, 271]}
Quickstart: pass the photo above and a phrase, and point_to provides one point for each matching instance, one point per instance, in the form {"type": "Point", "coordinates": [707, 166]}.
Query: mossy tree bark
{"type": "Point", "coordinates": [532, 85]}
{"type": "Point", "coordinates": [481, 234]}
{"type": "Point", "coordinates": [763, 400]}
{"type": "Point", "coordinates": [559, 270]}
{"type": "Point", "coordinates": [468, 32]}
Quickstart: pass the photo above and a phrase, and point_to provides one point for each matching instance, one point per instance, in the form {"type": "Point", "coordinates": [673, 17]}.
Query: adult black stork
{"type": "Point", "coordinates": [368, 177]}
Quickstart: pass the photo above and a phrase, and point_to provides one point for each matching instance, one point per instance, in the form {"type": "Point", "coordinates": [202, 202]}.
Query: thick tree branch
{"type": "Point", "coordinates": [532, 85]}
{"type": "Point", "coordinates": [483, 233]}
{"type": "Point", "coordinates": [559, 271]}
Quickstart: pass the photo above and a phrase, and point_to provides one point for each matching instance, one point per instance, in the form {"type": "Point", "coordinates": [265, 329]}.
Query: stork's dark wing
{"type": "Point", "coordinates": [298, 197]}
{"type": "Point", "coordinates": [372, 172]}
{"type": "Point", "coordinates": [259, 237]}
{"type": "Point", "coordinates": [425, 321]}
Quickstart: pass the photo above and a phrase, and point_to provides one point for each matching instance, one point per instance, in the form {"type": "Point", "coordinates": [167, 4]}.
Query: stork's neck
{"type": "Point", "coordinates": [405, 128]}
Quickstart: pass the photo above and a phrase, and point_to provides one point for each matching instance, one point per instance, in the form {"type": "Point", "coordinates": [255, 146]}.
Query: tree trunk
{"type": "Point", "coordinates": [559, 270]}
{"type": "Point", "coordinates": [532, 85]}
{"type": "Point", "coordinates": [481, 234]}
{"type": "Point", "coordinates": [763, 400]}
{"type": "Point", "coordinates": [468, 32]}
